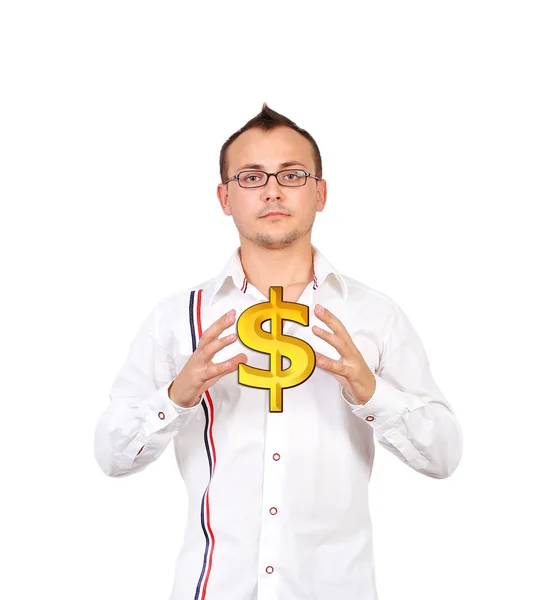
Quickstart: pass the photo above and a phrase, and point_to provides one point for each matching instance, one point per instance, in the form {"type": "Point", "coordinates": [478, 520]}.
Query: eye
{"type": "Point", "coordinates": [251, 177]}
{"type": "Point", "coordinates": [293, 175]}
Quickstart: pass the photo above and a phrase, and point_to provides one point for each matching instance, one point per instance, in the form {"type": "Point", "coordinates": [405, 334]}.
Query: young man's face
{"type": "Point", "coordinates": [247, 206]}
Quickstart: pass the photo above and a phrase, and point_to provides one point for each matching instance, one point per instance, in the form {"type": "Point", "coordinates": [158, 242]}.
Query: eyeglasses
{"type": "Point", "coordinates": [255, 179]}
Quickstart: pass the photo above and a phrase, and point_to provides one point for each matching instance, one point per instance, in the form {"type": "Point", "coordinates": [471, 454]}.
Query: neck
{"type": "Point", "coordinates": [288, 266]}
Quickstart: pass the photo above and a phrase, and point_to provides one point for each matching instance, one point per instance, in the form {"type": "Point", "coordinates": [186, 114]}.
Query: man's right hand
{"type": "Point", "coordinates": [199, 373]}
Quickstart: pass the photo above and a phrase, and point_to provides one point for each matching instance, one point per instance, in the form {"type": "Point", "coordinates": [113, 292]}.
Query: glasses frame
{"type": "Point", "coordinates": [253, 187]}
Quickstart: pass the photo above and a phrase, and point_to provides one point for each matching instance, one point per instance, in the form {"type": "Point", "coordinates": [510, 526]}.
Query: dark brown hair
{"type": "Point", "coordinates": [266, 120]}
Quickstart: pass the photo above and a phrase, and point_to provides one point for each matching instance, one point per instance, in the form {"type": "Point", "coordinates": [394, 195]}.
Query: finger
{"type": "Point", "coordinates": [330, 320]}
{"type": "Point", "coordinates": [227, 366]}
{"type": "Point", "coordinates": [335, 340]}
{"type": "Point", "coordinates": [223, 371]}
{"type": "Point", "coordinates": [210, 350]}
{"type": "Point", "coordinates": [216, 328]}
{"type": "Point", "coordinates": [337, 367]}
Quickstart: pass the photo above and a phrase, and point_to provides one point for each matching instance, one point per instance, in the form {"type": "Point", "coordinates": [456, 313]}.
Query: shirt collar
{"type": "Point", "coordinates": [233, 274]}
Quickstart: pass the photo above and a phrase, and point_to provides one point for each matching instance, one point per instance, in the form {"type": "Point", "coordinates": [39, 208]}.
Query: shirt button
{"type": "Point", "coordinates": [370, 418]}
{"type": "Point", "coordinates": [276, 456]}
{"type": "Point", "coordinates": [161, 415]}
{"type": "Point", "coordinates": [269, 570]}
{"type": "Point", "coordinates": [273, 510]}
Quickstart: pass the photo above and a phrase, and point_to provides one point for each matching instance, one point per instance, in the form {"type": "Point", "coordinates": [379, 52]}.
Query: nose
{"type": "Point", "coordinates": [273, 189]}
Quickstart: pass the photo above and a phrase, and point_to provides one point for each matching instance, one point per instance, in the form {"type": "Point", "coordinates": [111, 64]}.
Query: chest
{"type": "Point", "coordinates": [292, 293]}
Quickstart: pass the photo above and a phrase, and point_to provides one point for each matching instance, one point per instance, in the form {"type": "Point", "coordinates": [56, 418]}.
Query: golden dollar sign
{"type": "Point", "coordinates": [275, 343]}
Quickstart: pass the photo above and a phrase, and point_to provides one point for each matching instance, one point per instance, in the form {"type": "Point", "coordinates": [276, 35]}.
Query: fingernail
{"type": "Point", "coordinates": [319, 309]}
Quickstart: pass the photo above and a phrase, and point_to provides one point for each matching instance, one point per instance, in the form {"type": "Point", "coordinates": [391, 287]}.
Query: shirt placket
{"type": "Point", "coordinates": [272, 516]}
{"type": "Point", "coordinates": [273, 519]}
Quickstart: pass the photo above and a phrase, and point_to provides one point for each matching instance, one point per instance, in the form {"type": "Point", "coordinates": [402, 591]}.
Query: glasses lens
{"type": "Point", "coordinates": [252, 178]}
{"type": "Point", "coordinates": [292, 177]}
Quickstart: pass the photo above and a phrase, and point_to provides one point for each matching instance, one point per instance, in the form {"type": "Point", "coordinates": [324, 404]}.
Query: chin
{"type": "Point", "coordinates": [277, 241]}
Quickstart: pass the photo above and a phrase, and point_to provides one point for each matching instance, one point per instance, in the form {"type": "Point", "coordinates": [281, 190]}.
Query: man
{"type": "Point", "coordinates": [278, 501]}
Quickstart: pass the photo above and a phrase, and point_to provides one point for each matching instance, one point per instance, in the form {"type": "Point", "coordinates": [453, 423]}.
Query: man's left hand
{"type": "Point", "coordinates": [351, 370]}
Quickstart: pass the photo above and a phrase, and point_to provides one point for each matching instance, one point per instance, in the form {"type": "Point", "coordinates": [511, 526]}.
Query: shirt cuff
{"type": "Point", "coordinates": [184, 409]}
{"type": "Point", "coordinates": [160, 411]}
{"type": "Point", "coordinates": [385, 407]}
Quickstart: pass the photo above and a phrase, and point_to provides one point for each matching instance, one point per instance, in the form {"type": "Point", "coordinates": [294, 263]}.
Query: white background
{"type": "Point", "coordinates": [430, 120]}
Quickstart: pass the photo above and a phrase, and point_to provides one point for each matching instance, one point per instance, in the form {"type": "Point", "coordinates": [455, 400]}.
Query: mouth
{"type": "Point", "coordinates": [274, 215]}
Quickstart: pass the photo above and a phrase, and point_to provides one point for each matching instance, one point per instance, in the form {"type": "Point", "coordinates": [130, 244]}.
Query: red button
{"type": "Point", "coordinates": [276, 456]}
{"type": "Point", "coordinates": [370, 418]}
{"type": "Point", "coordinates": [273, 510]}
{"type": "Point", "coordinates": [161, 415]}
{"type": "Point", "coordinates": [269, 570]}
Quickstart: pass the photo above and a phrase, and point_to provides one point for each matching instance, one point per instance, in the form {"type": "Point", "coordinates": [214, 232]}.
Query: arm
{"type": "Point", "coordinates": [141, 419]}
{"type": "Point", "coordinates": [408, 412]}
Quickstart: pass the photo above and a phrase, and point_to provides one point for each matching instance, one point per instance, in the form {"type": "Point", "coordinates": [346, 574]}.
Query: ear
{"type": "Point", "coordinates": [223, 197]}
{"type": "Point", "coordinates": [322, 195]}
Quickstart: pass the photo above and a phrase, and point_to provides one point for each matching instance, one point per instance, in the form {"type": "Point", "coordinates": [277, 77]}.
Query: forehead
{"type": "Point", "coordinates": [270, 148]}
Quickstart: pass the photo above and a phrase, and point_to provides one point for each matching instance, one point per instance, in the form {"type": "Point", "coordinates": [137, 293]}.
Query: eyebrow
{"type": "Point", "coordinates": [288, 163]}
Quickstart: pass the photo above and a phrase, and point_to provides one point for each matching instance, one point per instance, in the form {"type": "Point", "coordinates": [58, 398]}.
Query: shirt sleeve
{"type": "Point", "coordinates": [408, 412]}
{"type": "Point", "coordinates": [141, 419]}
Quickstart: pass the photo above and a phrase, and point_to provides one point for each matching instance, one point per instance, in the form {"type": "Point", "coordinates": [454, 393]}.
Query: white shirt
{"type": "Point", "coordinates": [277, 501]}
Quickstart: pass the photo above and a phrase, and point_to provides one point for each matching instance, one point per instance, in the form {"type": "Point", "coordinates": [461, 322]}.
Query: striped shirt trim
{"type": "Point", "coordinates": [208, 407]}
